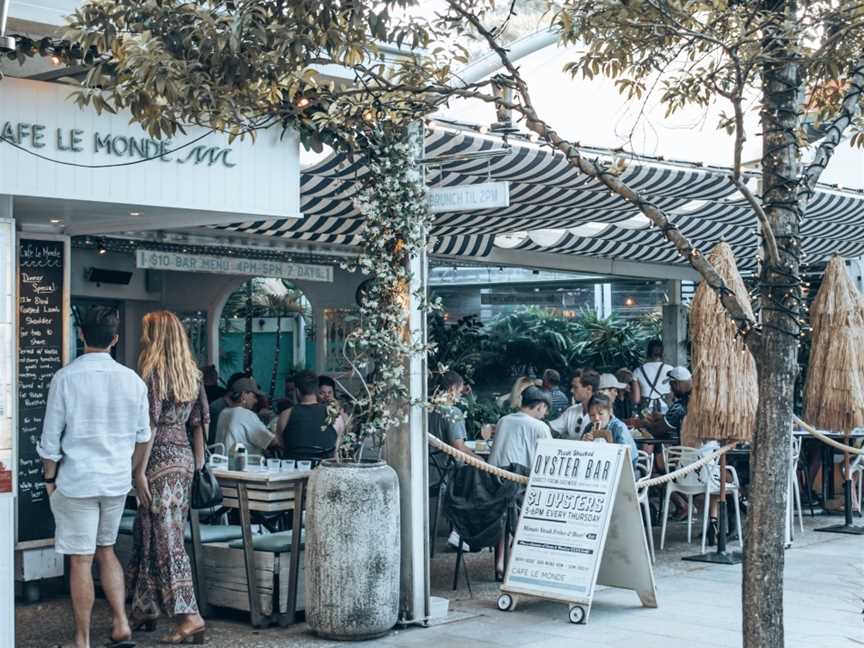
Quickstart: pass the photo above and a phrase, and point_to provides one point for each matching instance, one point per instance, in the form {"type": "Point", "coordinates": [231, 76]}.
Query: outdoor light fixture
{"type": "Point", "coordinates": [7, 43]}
{"type": "Point", "coordinates": [55, 60]}
{"type": "Point", "coordinates": [629, 301]}
{"type": "Point", "coordinates": [587, 230]}
{"type": "Point", "coordinates": [102, 249]}
{"type": "Point", "coordinates": [302, 102]}
{"type": "Point", "coordinates": [637, 222]}
{"type": "Point", "coordinates": [547, 237]}
{"type": "Point", "coordinates": [134, 213]}
{"type": "Point", "coordinates": [108, 276]}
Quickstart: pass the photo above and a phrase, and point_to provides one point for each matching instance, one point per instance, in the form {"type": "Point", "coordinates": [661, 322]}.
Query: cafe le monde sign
{"type": "Point", "coordinates": [34, 136]}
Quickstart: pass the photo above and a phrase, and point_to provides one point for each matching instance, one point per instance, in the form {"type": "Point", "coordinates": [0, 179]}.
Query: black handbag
{"type": "Point", "coordinates": [206, 492]}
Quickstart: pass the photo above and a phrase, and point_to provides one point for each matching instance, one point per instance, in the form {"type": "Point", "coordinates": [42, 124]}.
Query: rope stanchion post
{"type": "Point", "coordinates": [848, 527]}
{"type": "Point", "coordinates": [721, 556]}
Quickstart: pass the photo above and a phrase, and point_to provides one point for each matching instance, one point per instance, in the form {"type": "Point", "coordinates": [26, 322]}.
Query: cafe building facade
{"type": "Point", "coordinates": [92, 210]}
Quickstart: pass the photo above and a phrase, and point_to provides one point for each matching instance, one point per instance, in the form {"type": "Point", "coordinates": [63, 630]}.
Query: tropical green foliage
{"type": "Point", "coordinates": [528, 341]}
{"type": "Point", "coordinates": [479, 411]}
{"type": "Point", "coordinates": [456, 346]}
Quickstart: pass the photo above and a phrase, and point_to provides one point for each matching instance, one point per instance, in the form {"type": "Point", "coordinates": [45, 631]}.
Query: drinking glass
{"type": "Point", "coordinates": [304, 465]}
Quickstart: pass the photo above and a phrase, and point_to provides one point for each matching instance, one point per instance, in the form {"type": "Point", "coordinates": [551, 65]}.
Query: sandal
{"type": "Point", "coordinates": [195, 636]}
{"type": "Point", "coordinates": [120, 643]}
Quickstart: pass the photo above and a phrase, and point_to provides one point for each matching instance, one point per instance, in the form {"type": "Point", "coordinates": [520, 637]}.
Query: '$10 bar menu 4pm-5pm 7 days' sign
{"type": "Point", "coordinates": [579, 525]}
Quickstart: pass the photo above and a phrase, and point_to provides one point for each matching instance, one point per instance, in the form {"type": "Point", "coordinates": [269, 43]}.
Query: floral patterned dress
{"type": "Point", "coordinates": [160, 573]}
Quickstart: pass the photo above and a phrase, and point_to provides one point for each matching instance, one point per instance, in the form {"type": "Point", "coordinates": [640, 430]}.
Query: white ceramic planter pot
{"type": "Point", "coordinates": [352, 550]}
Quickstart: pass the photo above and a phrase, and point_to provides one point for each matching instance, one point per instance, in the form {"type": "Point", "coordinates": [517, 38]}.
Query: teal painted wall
{"type": "Point", "coordinates": [263, 352]}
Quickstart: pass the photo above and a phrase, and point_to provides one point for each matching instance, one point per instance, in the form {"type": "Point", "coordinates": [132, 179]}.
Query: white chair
{"type": "Point", "coordinates": [644, 465]}
{"type": "Point", "coordinates": [705, 481]}
{"type": "Point", "coordinates": [856, 470]}
{"type": "Point", "coordinates": [793, 496]}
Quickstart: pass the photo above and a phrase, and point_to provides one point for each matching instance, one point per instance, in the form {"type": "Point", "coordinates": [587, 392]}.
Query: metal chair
{"type": "Point", "coordinates": [439, 466]}
{"type": "Point", "coordinates": [705, 481]}
{"type": "Point", "coordinates": [644, 465]}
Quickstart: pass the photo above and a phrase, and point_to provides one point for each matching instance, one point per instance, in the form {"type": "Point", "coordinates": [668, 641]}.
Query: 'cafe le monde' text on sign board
{"type": "Point", "coordinates": [160, 260]}
{"type": "Point", "coordinates": [39, 137]}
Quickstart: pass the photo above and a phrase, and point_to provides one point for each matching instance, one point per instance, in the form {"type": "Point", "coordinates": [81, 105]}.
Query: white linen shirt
{"type": "Point", "coordinates": [97, 411]}
{"type": "Point", "coordinates": [570, 423]}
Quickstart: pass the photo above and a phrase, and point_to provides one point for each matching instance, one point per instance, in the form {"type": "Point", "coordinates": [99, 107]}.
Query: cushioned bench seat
{"type": "Point", "coordinates": [209, 532]}
{"type": "Point", "coordinates": [272, 542]}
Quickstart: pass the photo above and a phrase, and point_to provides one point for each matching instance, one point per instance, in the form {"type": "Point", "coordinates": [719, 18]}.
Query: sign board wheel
{"type": "Point", "coordinates": [577, 614]}
{"type": "Point", "coordinates": [506, 602]}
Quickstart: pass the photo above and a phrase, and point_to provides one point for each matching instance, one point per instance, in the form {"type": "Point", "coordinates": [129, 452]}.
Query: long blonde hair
{"type": "Point", "coordinates": [165, 360]}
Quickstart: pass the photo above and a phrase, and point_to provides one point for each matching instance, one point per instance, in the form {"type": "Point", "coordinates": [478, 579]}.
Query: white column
{"type": "Point", "coordinates": [320, 339]}
{"type": "Point", "coordinates": [674, 327]}
{"type": "Point", "coordinates": [8, 427]}
{"type": "Point", "coordinates": [300, 340]}
{"type": "Point", "coordinates": [407, 451]}
{"type": "Point", "coordinates": [607, 299]}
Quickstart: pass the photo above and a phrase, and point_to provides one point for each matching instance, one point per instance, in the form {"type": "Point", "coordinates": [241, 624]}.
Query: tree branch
{"type": "Point", "coordinates": [739, 314]}
{"type": "Point", "coordinates": [849, 109]}
{"type": "Point", "coordinates": [771, 252]}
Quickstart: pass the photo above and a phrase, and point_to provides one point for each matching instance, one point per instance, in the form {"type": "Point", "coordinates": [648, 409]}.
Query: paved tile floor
{"type": "Point", "coordinates": [699, 605]}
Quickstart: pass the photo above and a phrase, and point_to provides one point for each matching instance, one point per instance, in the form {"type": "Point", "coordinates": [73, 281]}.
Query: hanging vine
{"type": "Point", "coordinates": [396, 217]}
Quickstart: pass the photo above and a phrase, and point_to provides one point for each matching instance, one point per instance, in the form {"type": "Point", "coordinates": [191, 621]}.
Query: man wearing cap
{"type": "Point", "coordinates": [238, 424]}
{"type": "Point", "coordinates": [517, 434]}
{"type": "Point", "coordinates": [669, 424]}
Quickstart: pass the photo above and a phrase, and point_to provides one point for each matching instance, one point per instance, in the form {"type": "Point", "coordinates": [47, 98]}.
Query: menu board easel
{"type": "Point", "coordinates": [580, 525]}
{"type": "Point", "coordinates": [42, 341]}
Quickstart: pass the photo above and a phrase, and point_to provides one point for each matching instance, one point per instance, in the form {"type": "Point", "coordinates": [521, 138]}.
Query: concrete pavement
{"type": "Point", "coordinates": [699, 605]}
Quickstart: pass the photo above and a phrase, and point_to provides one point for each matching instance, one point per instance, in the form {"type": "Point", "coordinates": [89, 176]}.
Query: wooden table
{"type": "Point", "coordinates": [269, 492]}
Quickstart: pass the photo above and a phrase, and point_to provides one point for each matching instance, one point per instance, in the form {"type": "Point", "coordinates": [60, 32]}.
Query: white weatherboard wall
{"type": "Point", "coordinates": [263, 177]}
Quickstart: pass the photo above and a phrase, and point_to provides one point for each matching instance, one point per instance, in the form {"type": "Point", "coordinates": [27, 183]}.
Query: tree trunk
{"type": "Point", "coordinates": [762, 592]}
{"type": "Point", "coordinates": [247, 333]}
{"type": "Point", "coordinates": [276, 358]}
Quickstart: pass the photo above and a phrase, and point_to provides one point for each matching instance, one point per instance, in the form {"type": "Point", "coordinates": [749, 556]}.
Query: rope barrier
{"type": "Point", "coordinates": [474, 461]}
{"type": "Point", "coordinates": [522, 479]}
{"type": "Point", "coordinates": [696, 465]}
{"type": "Point", "coordinates": [828, 440]}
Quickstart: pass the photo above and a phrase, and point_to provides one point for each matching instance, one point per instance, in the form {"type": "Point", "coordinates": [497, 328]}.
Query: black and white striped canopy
{"type": "Point", "coordinates": [555, 208]}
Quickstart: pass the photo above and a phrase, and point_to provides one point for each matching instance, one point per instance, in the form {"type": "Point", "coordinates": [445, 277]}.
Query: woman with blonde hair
{"type": "Point", "coordinates": [160, 573]}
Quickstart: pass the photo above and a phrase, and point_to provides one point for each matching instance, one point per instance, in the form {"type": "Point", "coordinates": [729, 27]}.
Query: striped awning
{"type": "Point", "coordinates": [555, 208]}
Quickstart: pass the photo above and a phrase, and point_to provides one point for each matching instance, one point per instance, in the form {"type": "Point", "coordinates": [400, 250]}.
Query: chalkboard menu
{"type": "Point", "coordinates": [41, 335]}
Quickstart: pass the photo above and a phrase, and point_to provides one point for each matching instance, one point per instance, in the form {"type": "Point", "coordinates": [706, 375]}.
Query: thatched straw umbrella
{"type": "Point", "coordinates": [834, 392]}
{"type": "Point", "coordinates": [725, 393]}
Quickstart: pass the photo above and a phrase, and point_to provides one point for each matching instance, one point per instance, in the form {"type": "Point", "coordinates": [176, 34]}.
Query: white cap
{"type": "Point", "coordinates": [678, 374]}
{"type": "Point", "coordinates": [609, 381]}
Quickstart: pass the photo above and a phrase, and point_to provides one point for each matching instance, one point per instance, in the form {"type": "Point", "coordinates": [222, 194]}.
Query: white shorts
{"type": "Point", "coordinates": [84, 523]}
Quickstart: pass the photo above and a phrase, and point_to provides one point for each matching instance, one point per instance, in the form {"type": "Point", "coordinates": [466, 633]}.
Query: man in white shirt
{"type": "Point", "coordinates": [97, 423]}
{"type": "Point", "coordinates": [652, 378]}
{"type": "Point", "coordinates": [516, 434]}
{"type": "Point", "coordinates": [238, 424]}
{"type": "Point", "coordinates": [575, 420]}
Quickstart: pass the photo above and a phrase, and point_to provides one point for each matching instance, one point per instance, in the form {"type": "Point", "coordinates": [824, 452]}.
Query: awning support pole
{"type": "Point", "coordinates": [407, 449]}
